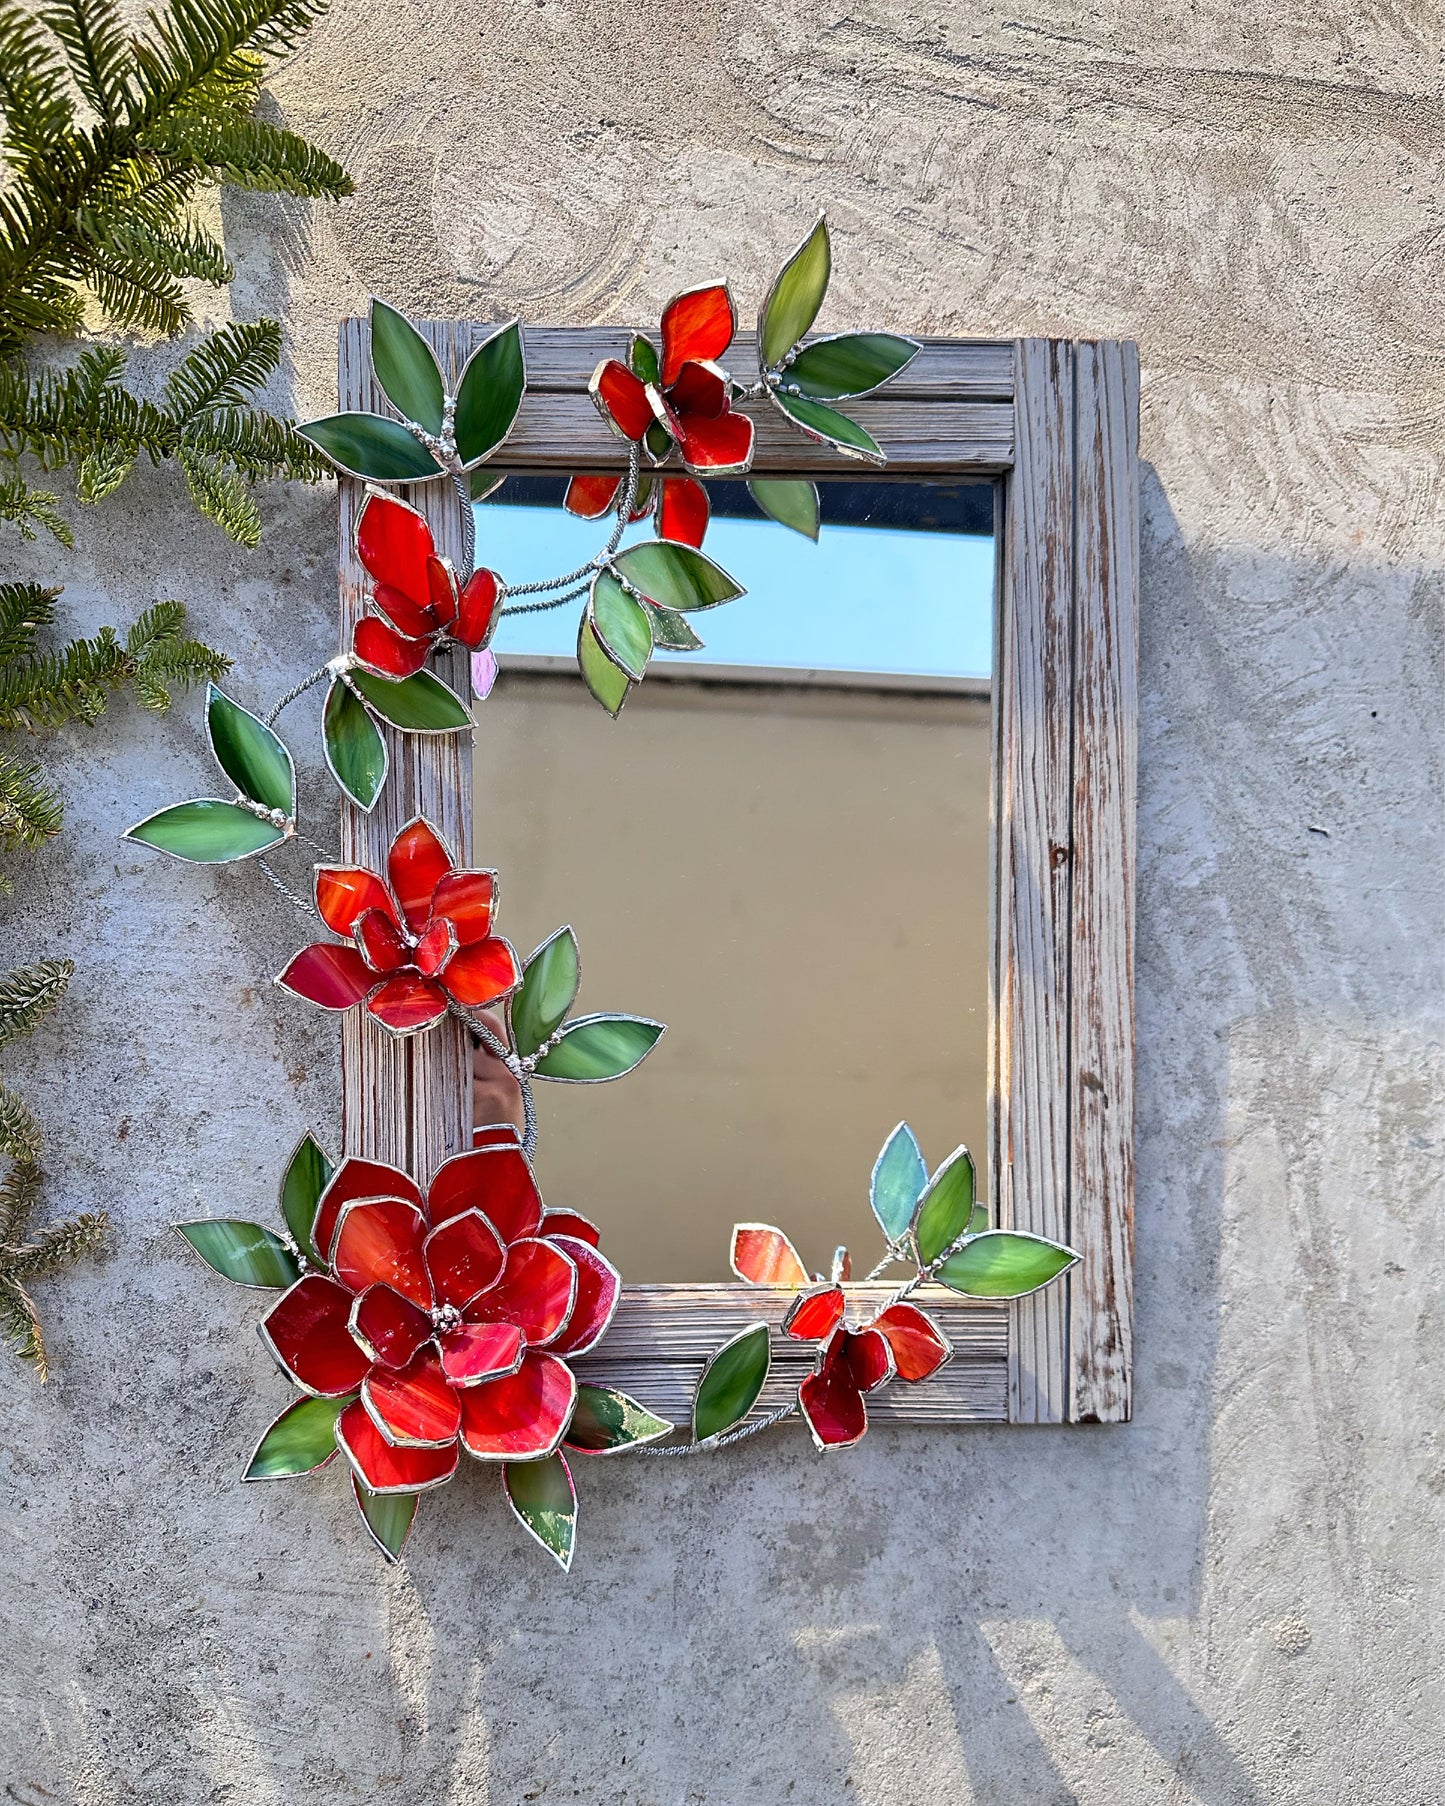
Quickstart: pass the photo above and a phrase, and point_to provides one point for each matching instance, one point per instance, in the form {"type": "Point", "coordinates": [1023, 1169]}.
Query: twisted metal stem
{"type": "Point", "coordinates": [295, 691]}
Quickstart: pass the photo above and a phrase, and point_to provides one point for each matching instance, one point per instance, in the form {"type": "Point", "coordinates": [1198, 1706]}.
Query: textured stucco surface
{"type": "Point", "coordinates": [1237, 1599]}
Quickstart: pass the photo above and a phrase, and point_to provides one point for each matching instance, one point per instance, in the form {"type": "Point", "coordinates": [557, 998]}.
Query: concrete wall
{"type": "Point", "coordinates": [1234, 1601]}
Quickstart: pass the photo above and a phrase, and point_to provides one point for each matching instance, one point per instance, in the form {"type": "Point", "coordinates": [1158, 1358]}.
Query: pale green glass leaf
{"type": "Point", "coordinates": [1004, 1263]}
{"type": "Point", "coordinates": [791, 501]}
{"type": "Point", "coordinates": [671, 631]}
{"type": "Point", "coordinates": [302, 1439]}
{"type": "Point", "coordinates": [831, 428]}
{"type": "Point", "coordinates": [549, 985]}
{"type": "Point", "coordinates": [371, 445]}
{"type": "Point", "coordinates": [643, 359]}
{"type": "Point", "coordinates": [945, 1207]}
{"type": "Point", "coordinates": [795, 297]}
{"type": "Point", "coordinates": [206, 831]}
{"type": "Point", "coordinates": [545, 1501]}
{"type": "Point", "coordinates": [899, 1175]}
{"type": "Point", "coordinates": [489, 394]}
{"type": "Point", "coordinates": [406, 367]}
{"type": "Point", "coordinates": [419, 704]}
{"type": "Point", "coordinates": [731, 1382]}
{"type": "Point", "coordinates": [676, 576]}
{"type": "Point", "coordinates": [606, 1421]}
{"type": "Point", "coordinates": [606, 682]}
{"type": "Point", "coordinates": [594, 1048]}
{"type": "Point", "coordinates": [356, 754]}
{"type": "Point", "coordinates": [250, 754]}
{"type": "Point", "coordinates": [302, 1184]}
{"type": "Point", "coordinates": [621, 624]}
{"type": "Point", "coordinates": [244, 1252]}
{"type": "Point", "coordinates": [387, 1515]}
{"type": "Point", "coordinates": [978, 1222]}
{"type": "Point", "coordinates": [853, 363]}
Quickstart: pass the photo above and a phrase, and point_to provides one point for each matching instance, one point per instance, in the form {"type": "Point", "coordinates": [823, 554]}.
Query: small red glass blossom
{"type": "Point", "coordinates": [684, 391]}
{"type": "Point", "coordinates": [417, 593]}
{"type": "Point", "coordinates": [677, 504]}
{"type": "Point", "coordinates": [412, 944]}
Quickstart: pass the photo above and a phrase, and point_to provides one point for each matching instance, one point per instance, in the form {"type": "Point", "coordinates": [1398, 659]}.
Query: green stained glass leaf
{"type": "Point", "coordinates": [731, 1382]}
{"type": "Point", "coordinates": [387, 1515]}
{"type": "Point", "coordinates": [302, 1184]}
{"type": "Point", "coordinates": [489, 394]}
{"type": "Point", "coordinates": [621, 624]}
{"type": "Point", "coordinates": [250, 754]}
{"type": "Point", "coordinates": [483, 483]}
{"type": "Point", "coordinates": [244, 1252]}
{"type": "Point", "coordinates": [831, 428]}
{"type": "Point", "coordinates": [356, 754]}
{"type": "Point", "coordinates": [302, 1439]}
{"type": "Point", "coordinates": [406, 367]}
{"type": "Point", "coordinates": [671, 631]}
{"type": "Point", "coordinates": [545, 1501]}
{"type": "Point", "coordinates": [549, 985]}
{"type": "Point", "coordinates": [657, 440]}
{"type": "Point", "coordinates": [791, 501]}
{"type": "Point", "coordinates": [1004, 1263]}
{"type": "Point", "coordinates": [795, 297]}
{"type": "Point", "coordinates": [676, 576]}
{"type": "Point", "coordinates": [602, 677]}
{"type": "Point", "coordinates": [978, 1222]}
{"type": "Point", "coordinates": [946, 1206]}
{"type": "Point", "coordinates": [899, 1175]}
{"type": "Point", "coordinates": [853, 363]}
{"type": "Point", "coordinates": [371, 445]}
{"type": "Point", "coordinates": [206, 831]}
{"type": "Point", "coordinates": [419, 704]}
{"type": "Point", "coordinates": [606, 1421]}
{"type": "Point", "coordinates": [594, 1048]}
{"type": "Point", "coordinates": [643, 359]}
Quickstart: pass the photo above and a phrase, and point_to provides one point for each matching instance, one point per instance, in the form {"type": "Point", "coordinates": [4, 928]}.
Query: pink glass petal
{"type": "Point", "coordinates": [413, 1406]}
{"type": "Point", "coordinates": [307, 1331]}
{"type": "Point", "coordinates": [467, 899]}
{"type": "Point", "coordinates": [537, 1291]}
{"type": "Point", "coordinates": [381, 942]}
{"type": "Point", "coordinates": [407, 1003]}
{"type": "Point", "coordinates": [483, 972]}
{"type": "Point", "coordinates": [379, 1241]}
{"type": "Point", "coordinates": [716, 448]}
{"type": "Point", "coordinates": [464, 1256]}
{"type": "Point", "coordinates": [869, 1358]}
{"type": "Point", "coordinates": [765, 1257]}
{"type": "Point", "coordinates": [700, 389]}
{"type": "Point", "coordinates": [484, 674]}
{"type": "Point", "coordinates": [814, 1315]}
{"type": "Point", "coordinates": [919, 1346]}
{"type": "Point", "coordinates": [568, 1222]}
{"type": "Point", "coordinates": [387, 1327]}
{"type": "Point", "coordinates": [496, 1180]}
{"type": "Point", "coordinates": [699, 323]}
{"type": "Point", "coordinates": [591, 496]}
{"type": "Point", "coordinates": [522, 1417]}
{"type": "Point", "coordinates": [436, 945]}
{"type": "Point", "coordinates": [831, 1403]}
{"type": "Point", "coordinates": [346, 892]}
{"type": "Point", "coordinates": [413, 620]}
{"type": "Point", "coordinates": [329, 974]}
{"type": "Point", "coordinates": [442, 589]}
{"type": "Point", "coordinates": [474, 1352]}
{"type": "Point", "coordinates": [356, 1178]}
{"type": "Point", "coordinates": [477, 608]}
{"type": "Point", "coordinates": [599, 1287]}
{"type": "Point", "coordinates": [393, 543]}
{"type": "Point", "coordinates": [417, 863]}
{"type": "Point", "coordinates": [621, 399]}
{"type": "Point", "coordinates": [683, 512]}
{"type": "Point", "coordinates": [380, 1466]}
{"type": "Point", "coordinates": [377, 644]}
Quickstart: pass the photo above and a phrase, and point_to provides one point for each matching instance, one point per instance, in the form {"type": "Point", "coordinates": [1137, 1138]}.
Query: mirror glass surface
{"type": "Point", "coordinates": [780, 849]}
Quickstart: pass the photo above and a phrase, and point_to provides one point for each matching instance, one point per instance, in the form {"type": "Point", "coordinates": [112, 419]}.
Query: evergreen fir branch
{"type": "Point", "coordinates": [30, 808]}
{"type": "Point", "coordinates": [259, 445]}
{"type": "Point", "coordinates": [52, 689]}
{"type": "Point", "coordinates": [99, 473]}
{"type": "Point", "coordinates": [30, 510]}
{"type": "Point", "coordinates": [223, 369]}
{"type": "Point", "coordinates": [30, 993]}
{"type": "Point", "coordinates": [24, 609]}
{"type": "Point", "coordinates": [222, 495]}
{"type": "Point", "coordinates": [20, 1325]}
{"type": "Point", "coordinates": [33, 100]}
{"type": "Point", "coordinates": [164, 657]}
{"type": "Point", "coordinates": [57, 1245]}
{"type": "Point", "coordinates": [252, 152]}
{"type": "Point", "coordinates": [19, 1195]}
{"type": "Point", "coordinates": [20, 1141]}
{"type": "Point", "coordinates": [194, 40]}
{"type": "Point", "coordinates": [134, 292]}
{"type": "Point", "coordinates": [98, 51]}
{"type": "Point", "coordinates": [187, 251]}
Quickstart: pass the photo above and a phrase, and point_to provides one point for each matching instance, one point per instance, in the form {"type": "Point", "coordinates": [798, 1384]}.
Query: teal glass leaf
{"type": "Point", "coordinates": [419, 704]}
{"type": "Point", "coordinates": [791, 501]}
{"type": "Point", "coordinates": [302, 1184]}
{"type": "Point", "coordinates": [676, 576]}
{"type": "Point", "coordinates": [830, 427]}
{"type": "Point", "coordinates": [795, 297]}
{"type": "Point", "coordinates": [490, 393]}
{"type": "Point", "coordinates": [594, 1048]}
{"type": "Point", "coordinates": [371, 445]}
{"type": "Point", "coordinates": [643, 359]}
{"type": "Point", "coordinates": [899, 1175]}
{"type": "Point", "coordinates": [671, 631]}
{"type": "Point", "coordinates": [603, 678]}
{"type": "Point", "coordinates": [621, 625]}
{"type": "Point", "coordinates": [250, 754]}
{"type": "Point", "coordinates": [545, 1501]}
{"type": "Point", "coordinates": [302, 1439]}
{"type": "Point", "coordinates": [852, 363]}
{"type": "Point", "coordinates": [731, 1382]}
{"type": "Point", "coordinates": [606, 1422]}
{"type": "Point", "coordinates": [1004, 1263]}
{"type": "Point", "coordinates": [356, 754]}
{"type": "Point", "coordinates": [387, 1515]}
{"type": "Point", "coordinates": [549, 984]}
{"type": "Point", "coordinates": [206, 832]}
{"type": "Point", "coordinates": [406, 367]}
{"type": "Point", "coordinates": [244, 1252]}
{"type": "Point", "coordinates": [946, 1206]}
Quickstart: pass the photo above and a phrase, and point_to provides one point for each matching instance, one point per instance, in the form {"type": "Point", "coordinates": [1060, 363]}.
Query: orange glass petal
{"type": "Point", "coordinates": [765, 1257]}
{"type": "Point", "coordinates": [379, 1241]}
{"type": "Point", "coordinates": [464, 1256]}
{"type": "Point", "coordinates": [699, 323]}
{"type": "Point", "coordinates": [381, 942]}
{"type": "Point", "coordinates": [599, 1287]}
{"type": "Point", "coordinates": [721, 447]}
{"type": "Point", "coordinates": [393, 543]}
{"type": "Point", "coordinates": [814, 1315]}
{"type": "Point", "coordinates": [483, 972]}
{"type": "Point", "coordinates": [356, 1178]}
{"type": "Point", "coordinates": [388, 1327]}
{"type": "Point", "coordinates": [622, 399]}
{"type": "Point", "coordinates": [416, 864]}
{"type": "Point", "coordinates": [413, 1405]}
{"type": "Point", "coordinates": [329, 974]}
{"type": "Point", "coordinates": [831, 1402]}
{"type": "Point", "coordinates": [537, 1291]}
{"type": "Point", "coordinates": [683, 512]}
{"type": "Point", "coordinates": [307, 1331]}
{"type": "Point", "coordinates": [344, 892]}
{"type": "Point", "coordinates": [377, 644]}
{"type": "Point", "coordinates": [407, 1003]}
{"type": "Point", "coordinates": [474, 1352]}
{"type": "Point", "coordinates": [382, 1467]}
{"type": "Point", "coordinates": [477, 609]}
{"type": "Point", "coordinates": [522, 1417]}
{"type": "Point", "coordinates": [919, 1346]}
{"type": "Point", "coordinates": [467, 899]}
{"type": "Point", "coordinates": [591, 496]}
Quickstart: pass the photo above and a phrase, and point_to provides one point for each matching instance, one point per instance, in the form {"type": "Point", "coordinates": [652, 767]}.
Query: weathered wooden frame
{"type": "Point", "coordinates": [1054, 424]}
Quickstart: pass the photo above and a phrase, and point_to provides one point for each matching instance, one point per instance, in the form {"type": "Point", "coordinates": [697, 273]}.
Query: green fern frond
{"type": "Point", "coordinates": [31, 811]}
{"type": "Point", "coordinates": [29, 993]}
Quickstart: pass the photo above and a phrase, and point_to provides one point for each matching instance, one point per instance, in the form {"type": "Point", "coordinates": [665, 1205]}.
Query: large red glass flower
{"type": "Point", "coordinates": [417, 593]}
{"type": "Point", "coordinates": [684, 391]}
{"type": "Point", "coordinates": [451, 1314]}
{"type": "Point", "coordinates": [412, 944]}
{"type": "Point", "coordinates": [677, 504]}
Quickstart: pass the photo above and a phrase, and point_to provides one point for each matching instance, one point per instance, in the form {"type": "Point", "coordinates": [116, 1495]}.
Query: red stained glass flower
{"type": "Point", "coordinates": [415, 941]}
{"type": "Point", "coordinates": [683, 390]}
{"type": "Point", "coordinates": [418, 596]}
{"type": "Point", "coordinates": [679, 506]}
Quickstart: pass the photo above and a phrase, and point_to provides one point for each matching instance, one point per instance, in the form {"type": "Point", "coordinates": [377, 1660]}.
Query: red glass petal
{"type": "Point", "coordinates": [621, 399]}
{"type": "Point", "coordinates": [467, 899]}
{"type": "Point", "coordinates": [418, 861]}
{"type": "Point", "coordinates": [413, 620]}
{"type": "Point", "coordinates": [435, 947]}
{"type": "Point", "coordinates": [869, 1358]}
{"type": "Point", "coordinates": [489, 1134]}
{"type": "Point", "coordinates": [474, 1352]}
{"type": "Point", "coordinates": [381, 942]}
{"type": "Point", "coordinates": [765, 1257]}
{"type": "Point", "coordinates": [464, 1256]}
{"type": "Point", "coordinates": [307, 1331]}
{"type": "Point", "coordinates": [698, 323]}
{"type": "Point", "coordinates": [477, 609]}
{"type": "Point", "coordinates": [683, 512]}
{"type": "Point", "coordinates": [831, 1403]}
{"type": "Point", "coordinates": [497, 1181]}
{"type": "Point", "coordinates": [591, 497]}
{"type": "Point", "coordinates": [568, 1222]}
{"type": "Point", "coordinates": [721, 447]}
{"type": "Point", "coordinates": [537, 1291]}
{"type": "Point", "coordinates": [814, 1315]}
{"type": "Point", "coordinates": [522, 1417]}
{"type": "Point", "coordinates": [700, 390]}
{"type": "Point", "coordinates": [358, 1179]}
{"type": "Point", "coordinates": [393, 543]}
{"type": "Point", "coordinates": [388, 1327]}
{"type": "Point", "coordinates": [329, 974]}
{"type": "Point", "coordinates": [919, 1346]}
{"type": "Point", "coordinates": [377, 644]}
{"type": "Point", "coordinates": [379, 1240]}
{"type": "Point", "coordinates": [344, 892]}
{"type": "Point", "coordinates": [413, 1406]}
{"type": "Point", "coordinates": [382, 1467]}
{"type": "Point", "coordinates": [407, 1003]}
{"type": "Point", "coordinates": [599, 1286]}
{"type": "Point", "coordinates": [484, 972]}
